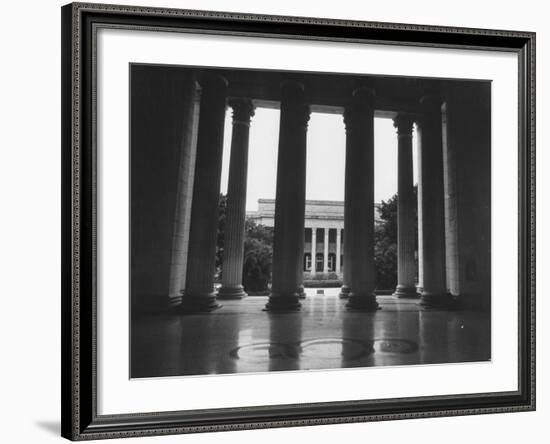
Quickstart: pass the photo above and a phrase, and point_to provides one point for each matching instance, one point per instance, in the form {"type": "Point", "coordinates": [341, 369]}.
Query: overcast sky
{"type": "Point", "coordinates": [325, 157]}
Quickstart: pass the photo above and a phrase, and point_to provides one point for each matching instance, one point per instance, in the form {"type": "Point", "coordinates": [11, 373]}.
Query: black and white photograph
{"type": "Point", "coordinates": [277, 221]}
{"type": "Point", "coordinates": [291, 221]}
{"type": "Point", "coordinates": [273, 221]}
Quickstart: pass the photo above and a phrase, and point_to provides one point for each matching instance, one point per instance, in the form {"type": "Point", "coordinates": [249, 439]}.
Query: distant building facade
{"type": "Point", "coordinates": [323, 236]}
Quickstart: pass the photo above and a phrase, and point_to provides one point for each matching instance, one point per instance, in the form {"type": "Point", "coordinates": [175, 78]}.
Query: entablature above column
{"type": "Point", "coordinates": [332, 92]}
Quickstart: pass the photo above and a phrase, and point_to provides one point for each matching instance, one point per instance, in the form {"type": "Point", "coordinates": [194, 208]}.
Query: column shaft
{"type": "Point", "coordinates": [290, 197]}
{"type": "Point", "coordinates": [420, 222]}
{"type": "Point", "coordinates": [189, 116]}
{"type": "Point", "coordinates": [313, 250]}
{"type": "Point", "coordinates": [406, 267]}
{"type": "Point", "coordinates": [434, 292]}
{"type": "Point", "coordinates": [199, 292]}
{"type": "Point", "coordinates": [338, 252]}
{"type": "Point", "coordinates": [359, 199]}
{"type": "Point", "coordinates": [231, 287]}
{"type": "Point", "coordinates": [325, 255]}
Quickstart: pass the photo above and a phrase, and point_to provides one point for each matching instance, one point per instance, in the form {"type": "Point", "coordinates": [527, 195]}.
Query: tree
{"type": "Point", "coordinates": [220, 237]}
{"type": "Point", "coordinates": [258, 250]}
{"type": "Point", "coordinates": [385, 243]}
{"type": "Point", "coordinates": [385, 259]}
{"type": "Point", "coordinates": [388, 213]}
{"type": "Point", "coordinates": [258, 256]}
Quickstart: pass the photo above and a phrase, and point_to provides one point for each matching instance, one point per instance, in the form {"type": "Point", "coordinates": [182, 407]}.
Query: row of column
{"type": "Point", "coordinates": [359, 278]}
{"type": "Point", "coordinates": [325, 248]}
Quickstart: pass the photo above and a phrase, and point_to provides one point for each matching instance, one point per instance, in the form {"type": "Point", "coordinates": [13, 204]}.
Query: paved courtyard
{"type": "Point", "coordinates": [241, 337]}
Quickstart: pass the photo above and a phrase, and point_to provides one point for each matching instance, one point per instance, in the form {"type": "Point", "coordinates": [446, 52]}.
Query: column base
{"type": "Point", "coordinates": [199, 303]}
{"type": "Point", "coordinates": [279, 303]}
{"type": "Point", "coordinates": [401, 291]}
{"type": "Point", "coordinates": [437, 300]}
{"type": "Point", "coordinates": [362, 302]}
{"type": "Point", "coordinates": [300, 291]}
{"type": "Point", "coordinates": [344, 292]}
{"type": "Point", "coordinates": [236, 292]}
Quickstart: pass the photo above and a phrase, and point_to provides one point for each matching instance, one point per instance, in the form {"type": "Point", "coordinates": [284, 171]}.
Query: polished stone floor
{"type": "Point", "coordinates": [240, 337]}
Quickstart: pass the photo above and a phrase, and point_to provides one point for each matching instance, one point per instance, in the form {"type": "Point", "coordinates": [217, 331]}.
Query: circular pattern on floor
{"type": "Point", "coordinates": [348, 349]}
{"type": "Point", "coordinates": [335, 348]}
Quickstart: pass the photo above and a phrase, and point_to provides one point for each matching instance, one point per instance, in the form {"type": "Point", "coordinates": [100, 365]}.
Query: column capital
{"type": "Point", "coordinates": [404, 124]}
{"type": "Point", "coordinates": [294, 102]}
{"type": "Point", "coordinates": [292, 89]}
{"type": "Point", "coordinates": [363, 94]}
{"type": "Point", "coordinates": [243, 110]}
{"type": "Point", "coordinates": [431, 102]}
{"type": "Point", "coordinates": [212, 80]}
{"type": "Point", "coordinates": [361, 102]}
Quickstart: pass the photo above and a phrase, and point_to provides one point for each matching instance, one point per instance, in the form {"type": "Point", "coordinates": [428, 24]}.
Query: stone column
{"type": "Point", "coordinates": [232, 274]}
{"type": "Point", "coordinates": [359, 199]}
{"type": "Point", "coordinates": [451, 201]}
{"type": "Point", "coordinates": [290, 202]}
{"type": "Point", "coordinates": [338, 251]}
{"type": "Point", "coordinates": [313, 249]}
{"type": "Point", "coordinates": [420, 222]}
{"type": "Point", "coordinates": [406, 267]}
{"type": "Point", "coordinates": [434, 292]}
{"type": "Point", "coordinates": [325, 256]}
{"type": "Point", "coordinates": [199, 292]}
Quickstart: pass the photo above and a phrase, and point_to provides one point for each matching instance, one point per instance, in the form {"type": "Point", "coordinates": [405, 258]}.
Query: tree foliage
{"type": "Point", "coordinates": [385, 243]}
{"type": "Point", "coordinates": [258, 250]}
{"type": "Point", "coordinates": [220, 237]}
{"type": "Point", "coordinates": [258, 256]}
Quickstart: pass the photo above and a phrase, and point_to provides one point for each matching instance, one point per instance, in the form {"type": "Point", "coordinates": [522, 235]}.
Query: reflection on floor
{"type": "Point", "coordinates": [240, 337]}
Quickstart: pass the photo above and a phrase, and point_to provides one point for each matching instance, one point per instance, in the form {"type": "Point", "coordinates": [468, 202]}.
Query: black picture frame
{"type": "Point", "coordinates": [79, 385]}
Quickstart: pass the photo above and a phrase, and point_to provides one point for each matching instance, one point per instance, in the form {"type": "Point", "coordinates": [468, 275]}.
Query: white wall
{"type": "Point", "coordinates": [30, 222]}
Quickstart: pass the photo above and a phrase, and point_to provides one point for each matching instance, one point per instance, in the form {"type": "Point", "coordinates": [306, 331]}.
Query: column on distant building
{"type": "Point", "coordinates": [338, 251]}
{"type": "Point", "coordinates": [313, 249]}
{"type": "Point", "coordinates": [290, 197]}
{"type": "Point", "coordinates": [232, 271]}
{"type": "Point", "coordinates": [359, 199]}
{"type": "Point", "coordinates": [434, 291]}
{"type": "Point", "coordinates": [199, 294]}
{"type": "Point", "coordinates": [406, 267]}
{"type": "Point", "coordinates": [325, 254]}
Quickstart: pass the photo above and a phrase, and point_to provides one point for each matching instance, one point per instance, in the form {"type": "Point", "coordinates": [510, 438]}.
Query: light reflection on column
{"type": "Point", "coordinates": [358, 331]}
{"type": "Point", "coordinates": [225, 337]}
{"type": "Point", "coordinates": [407, 336]}
{"type": "Point", "coordinates": [433, 343]}
{"type": "Point", "coordinates": [156, 351]}
{"type": "Point", "coordinates": [285, 335]}
{"type": "Point", "coordinates": [199, 345]}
